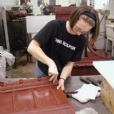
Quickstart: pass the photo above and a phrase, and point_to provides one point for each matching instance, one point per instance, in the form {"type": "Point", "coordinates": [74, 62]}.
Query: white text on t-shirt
{"type": "Point", "coordinates": [64, 44]}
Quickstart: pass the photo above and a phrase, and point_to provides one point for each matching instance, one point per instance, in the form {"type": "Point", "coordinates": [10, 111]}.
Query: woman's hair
{"type": "Point", "coordinates": [92, 19]}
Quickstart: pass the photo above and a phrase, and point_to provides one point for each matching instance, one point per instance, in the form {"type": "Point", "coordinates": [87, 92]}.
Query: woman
{"type": "Point", "coordinates": [44, 8]}
{"type": "Point", "coordinates": [60, 43]}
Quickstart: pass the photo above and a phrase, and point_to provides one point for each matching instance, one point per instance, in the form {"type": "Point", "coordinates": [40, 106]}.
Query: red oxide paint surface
{"type": "Point", "coordinates": [33, 96]}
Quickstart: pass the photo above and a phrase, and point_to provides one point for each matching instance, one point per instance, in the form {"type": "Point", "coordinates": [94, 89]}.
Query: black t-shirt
{"type": "Point", "coordinates": [59, 45]}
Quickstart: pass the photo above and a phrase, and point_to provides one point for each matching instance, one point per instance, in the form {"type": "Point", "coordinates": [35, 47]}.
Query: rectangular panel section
{"type": "Point", "coordinates": [44, 97]}
{"type": "Point", "coordinates": [6, 103]}
{"type": "Point", "coordinates": [33, 96]}
{"type": "Point", "coordinates": [60, 97]}
{"type": "Point", "coordinates": [24, 101]}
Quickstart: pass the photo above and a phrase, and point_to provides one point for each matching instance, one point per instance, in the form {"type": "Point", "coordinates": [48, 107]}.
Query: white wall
{"type": "Point", "coordinates": [57, 2]}
{"type": "Point", "coordinates": [36, 9]}
{"type": "Point", "coordinates": [64, 3]}
{"type": "Point", "coordinates": [73, 2]}
{"type": "Point", "coordinates": [99, 4]}
{"type": "Point", "coordinates": [34, 23]}
{"type": "Point", "coordinates": [8, 2]}
{"type": "Point", "coordinates": [111, 6]}
{"type": "Point", "coordinates": [101, 41]}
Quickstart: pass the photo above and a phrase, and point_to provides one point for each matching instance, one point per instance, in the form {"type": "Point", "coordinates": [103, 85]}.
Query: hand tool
{"type": "Point", "coordinates": [93, 81]}
{"type": "Point", "coordinates": [72, 92]}
{"type": "Point", "coordinates": [84, 80]}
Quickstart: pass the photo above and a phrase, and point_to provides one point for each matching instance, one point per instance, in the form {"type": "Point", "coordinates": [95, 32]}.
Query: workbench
{"type": "Point", "coordinates": [73, 83]}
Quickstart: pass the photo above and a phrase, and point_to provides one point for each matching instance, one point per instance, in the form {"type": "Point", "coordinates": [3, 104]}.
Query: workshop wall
{"type": "Point", "coordinates": [8, 2]}
{"type": "Point", "coordinates": [100, 43]}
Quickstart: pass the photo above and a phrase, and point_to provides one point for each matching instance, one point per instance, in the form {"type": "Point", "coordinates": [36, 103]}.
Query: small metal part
{"type": "Point", "coordinates": [39, 78]}
{"type": "Point", "coordinates": [84, 80]}
{"type": "Point", "coordinates": [21, 81]}
{"type": "Point", "coordinates": [93, 81]}
{"type": "Point", "coordinates": [1, 84]}
{"type": "Point", "coordinates": [73, 92]}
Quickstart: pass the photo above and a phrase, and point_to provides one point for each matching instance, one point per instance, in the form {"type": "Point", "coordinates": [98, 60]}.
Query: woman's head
{"type": "Point", "coordinates": [42, 2]}
{"type": "Point", "coordinates": [85, 19]}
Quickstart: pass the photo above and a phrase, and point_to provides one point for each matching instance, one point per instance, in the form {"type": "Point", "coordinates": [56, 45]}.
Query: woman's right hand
{"type": "Point", "coordinates": [52, 72]}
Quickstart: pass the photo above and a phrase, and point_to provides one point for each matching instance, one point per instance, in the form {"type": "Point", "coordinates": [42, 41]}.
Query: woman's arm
{"type": "Point", "coordinates": [35, 50]}
{"type": "Point", "coordinates": [64, 74]}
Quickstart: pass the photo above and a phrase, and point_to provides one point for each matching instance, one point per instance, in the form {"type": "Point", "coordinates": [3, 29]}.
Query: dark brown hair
{"type": "Point", "coordinates": [77, 14]}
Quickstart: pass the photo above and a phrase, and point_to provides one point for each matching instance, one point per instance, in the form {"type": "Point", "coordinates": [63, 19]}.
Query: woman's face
{"type": "Point", "coordinates": [81, 27]}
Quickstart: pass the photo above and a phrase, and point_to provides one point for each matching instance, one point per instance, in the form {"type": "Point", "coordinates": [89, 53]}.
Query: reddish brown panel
{"type": "Point", "coordinates": [44, 97]}
{"type": "Point", "coordinates": [6, 103]}
{"type": "Point", "coordinates": [59, 96]}
{"type": "Point", "coordinates": [23, 101]}
{"type": "Point", "coordinates": [93, 71]}
{"type": "Point", "coordinates": [75, 71]}
{"type": "Point", "coordinates": [33, 97]}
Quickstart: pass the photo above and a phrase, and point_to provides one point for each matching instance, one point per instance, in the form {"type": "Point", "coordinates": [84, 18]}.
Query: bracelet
{"type": "Point", "coordinates": [62, 78]}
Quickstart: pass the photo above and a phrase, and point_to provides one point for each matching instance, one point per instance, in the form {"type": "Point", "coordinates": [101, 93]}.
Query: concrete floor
{"type": "Point", "coordinates": [24, 69]}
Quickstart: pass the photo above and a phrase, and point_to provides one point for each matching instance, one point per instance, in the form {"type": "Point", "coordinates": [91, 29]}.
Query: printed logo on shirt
{"type": "Point", "coordinates": [64, 44]}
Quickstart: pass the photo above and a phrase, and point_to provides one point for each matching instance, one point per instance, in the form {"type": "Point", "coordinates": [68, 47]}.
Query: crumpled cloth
{"type": "Point", "coordinates": [8, 56]}
{"type": "Point", "coordinates": [5, 56]}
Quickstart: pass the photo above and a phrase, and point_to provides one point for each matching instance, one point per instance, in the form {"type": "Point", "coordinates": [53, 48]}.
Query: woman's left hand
{"type": "Point", "coordinates": [61, 84]}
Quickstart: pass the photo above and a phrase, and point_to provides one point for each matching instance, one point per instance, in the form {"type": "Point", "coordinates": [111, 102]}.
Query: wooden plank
{"type": "Point", "coordinates": [107, 95]}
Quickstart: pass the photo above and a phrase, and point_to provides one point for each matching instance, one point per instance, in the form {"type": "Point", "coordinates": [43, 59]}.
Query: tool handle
{"type": "Point", "coordinates": [84, 80]}
{"type": "Point", "coordinates": [93, 81]}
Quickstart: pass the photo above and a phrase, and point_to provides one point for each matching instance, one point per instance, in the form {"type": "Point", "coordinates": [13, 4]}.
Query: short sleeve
{"type": "Point", "coordinates": [45, 33]}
